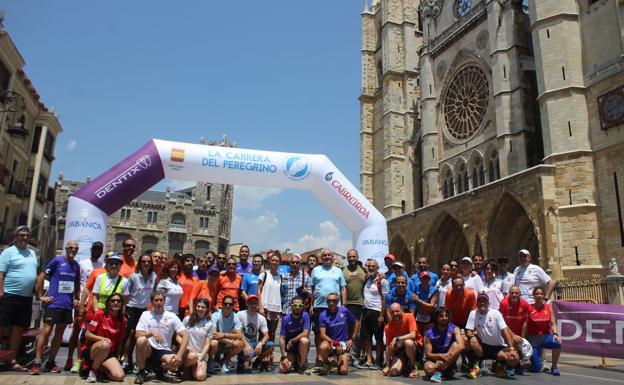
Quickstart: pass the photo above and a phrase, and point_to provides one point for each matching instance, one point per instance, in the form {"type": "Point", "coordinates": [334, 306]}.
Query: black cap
{"type": "Point", "coordinates": [503, 260]}
{"type": "Point", "coordinates": [97, 243]}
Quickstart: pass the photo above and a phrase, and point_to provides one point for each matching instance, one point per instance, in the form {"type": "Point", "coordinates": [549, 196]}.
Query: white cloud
{"type": "Point", "coordinates": [328, 236]}
{"type": "Point", "coordinates": [254, 231]}
{"type": "Point", "coordinates": [251, 197]}
{"type": "Point", "coordinates": [71, 145]}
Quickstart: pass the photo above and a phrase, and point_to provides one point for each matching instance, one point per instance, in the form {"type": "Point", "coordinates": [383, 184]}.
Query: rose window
{"type": "Point", "coordinates": [466, 102]}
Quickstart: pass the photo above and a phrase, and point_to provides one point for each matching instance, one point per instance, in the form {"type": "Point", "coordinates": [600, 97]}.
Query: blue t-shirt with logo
{"type": "Point", "coordinates": [64, 277]}
{"type": "Point", "coordinates": [292, 327]}
{"type": "Point", "coordinates": [20, 271]}
{"type": "Point", "coordinates": [337, 324]}
{"type": "Point", "coordinates": [414, 280]}
{"type": "Point", "coordinates": [392, 279]}
{"type": "Point", "coordinates": [242, 269]}
{"type": "Point", "coordinates": [326, 281]}
{"type": "Point", "coordinates": [250, 283]}
{"type": "Point", "coordinates": [405, 300]}
{"type": "Point", "coordinates": [441, 340]}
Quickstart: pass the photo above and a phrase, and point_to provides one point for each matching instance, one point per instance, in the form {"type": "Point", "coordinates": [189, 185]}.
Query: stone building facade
{"type": "Point", "coordinates": [192, 220]}
{"type": "Point", "coordinates": [28, 134]}
{"type": "Point", "coordinates": [490, 126]}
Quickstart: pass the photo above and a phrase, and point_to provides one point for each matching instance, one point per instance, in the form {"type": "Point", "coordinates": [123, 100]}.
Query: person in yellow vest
{"type": "Point", "coordinates": [109, 282]}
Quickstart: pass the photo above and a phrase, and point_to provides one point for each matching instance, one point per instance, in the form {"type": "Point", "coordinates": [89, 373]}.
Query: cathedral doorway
{"type": "Point", "coordinates": [446, 242]}
{"type": "Point", "coordinates": [399, 249]}
{"type": "Point", "coordinates": [511, 230]}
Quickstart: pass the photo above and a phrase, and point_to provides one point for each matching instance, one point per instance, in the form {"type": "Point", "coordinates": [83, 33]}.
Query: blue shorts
{"type": "Point", "coordinates": [539, 343]}
{"type": "Point", "coordinates": [267, 345]}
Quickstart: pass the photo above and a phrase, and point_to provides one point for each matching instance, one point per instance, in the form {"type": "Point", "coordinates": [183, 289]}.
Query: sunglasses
{"type": "Point", "coordinates": [71, 248]}
{"type": "Point", "coordinates": [332, 301]}
{"type": "Point", "coordinates": [453, 265]}
{"type": "Point", "coordinates": [297, 305]}
{"type": "Point", "coordinates": [228, 304]}
{"type": "Point", "coordinates": [115, 301]}
{"type": "Point", "coordinates": [130, 246]}
{"type": "Point", "coordinates": [295, 263]}
{"type": "Point", "coordinates": [230, 264]}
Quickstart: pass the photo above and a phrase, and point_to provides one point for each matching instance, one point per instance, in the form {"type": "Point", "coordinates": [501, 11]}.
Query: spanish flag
{"type": "Point", "coordinates": [177, 155]}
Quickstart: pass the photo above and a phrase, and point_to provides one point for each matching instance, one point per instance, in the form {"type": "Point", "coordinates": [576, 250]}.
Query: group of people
{"type": "Point", "coordinates": [192, 316]}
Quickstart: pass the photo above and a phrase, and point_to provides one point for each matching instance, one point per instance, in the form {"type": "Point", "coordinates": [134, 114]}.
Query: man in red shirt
{"type": "Point", "coordinates": [402, 343]}
{"type": "Point", "coordinates": [129, 264]}
{"type": "Point", "coordinates": [187, 280]}
{"type": "Point", "coordinates": [515, 311]}
{"type": "Point", "coordinates": [460, 301]}
{"type": "Point", "coordinates": [228, 284]}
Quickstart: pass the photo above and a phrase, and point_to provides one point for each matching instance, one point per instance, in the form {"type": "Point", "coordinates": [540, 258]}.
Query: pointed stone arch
{"type": "Point", "coordinates": [511, 229]}
{"type": "Point", "coordinates": [399, 249]}
{"type": "Point", "coordinates": [446, 241]}
{"type": "Point", "coordinates": [478, 248]}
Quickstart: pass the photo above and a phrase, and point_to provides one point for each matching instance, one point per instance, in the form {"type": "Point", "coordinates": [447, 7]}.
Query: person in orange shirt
{"type": "Point", "coordinates": [87, 294]}
{"type": "Point", "coordinates": [403, 342]}
{"type": "Point", "coordinates": [128, 266]}
{"type": "Point", "coordinates": [228, 283]}
{"type": "Point", "coordinates": [187, 280]}
{"type": "Point", "coordinates": [460, 302]}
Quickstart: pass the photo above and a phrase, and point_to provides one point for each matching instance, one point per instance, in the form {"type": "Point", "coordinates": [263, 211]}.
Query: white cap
{"type": "Point", "coordinates": [525, 252]}
{"type": "Point", "coordinates": [467, 259]}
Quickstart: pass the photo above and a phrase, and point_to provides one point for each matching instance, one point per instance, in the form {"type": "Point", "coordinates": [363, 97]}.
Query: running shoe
{"type": "Point", "coordinates": [436, 377]}
{"type": "Point", "coordinates": [374, 366]}
{"type": "Point", "coordinates": [303, 369]}
{"type": "Point", "coordinates": [475, 372]}
{"type": "Point", "coordinates": [68, 365]}
{"type": "Point", "coordinates": [555, 372]}
{"type": "Point", "coordinates": [92, 377]}
{"type": "Point", "coordinates": [499, 370]}
{"type": "Point", "coordinates": [51, 367]}
{"type": "Point", "coordinates": [140, 377]}
{"type": "Point", "coordinates": [35, 369]}
{"type": "Point", "coordinates": [325, 368]}
{"type": "Point", "coordinates": [225, 369]}
{"type": "Point", "coordinates": [509, 373]}
{"type": "Point", "coordinates": [76, 367]}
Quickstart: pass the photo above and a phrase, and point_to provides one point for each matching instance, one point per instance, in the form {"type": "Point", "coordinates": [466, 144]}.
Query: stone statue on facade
{"type": "Point", "coordinates": [613, 266]}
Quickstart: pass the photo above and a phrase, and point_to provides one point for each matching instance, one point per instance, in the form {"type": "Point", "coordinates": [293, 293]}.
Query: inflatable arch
{"type": "Point", "coordinates": [89, 207]}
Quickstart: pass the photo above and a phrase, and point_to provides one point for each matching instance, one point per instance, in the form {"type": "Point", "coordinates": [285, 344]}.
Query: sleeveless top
{"type": "Point", "coordinates": [105, 293]}
{"type": "Point", "coordinates": [441, 340]}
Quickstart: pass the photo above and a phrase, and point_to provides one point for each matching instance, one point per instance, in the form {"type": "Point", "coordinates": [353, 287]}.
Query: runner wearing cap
{"type": "Point", "coordinates": [426, 298]}
{"type": "Point", "coordinates": [398, 269]}
{"type": "Point", "coordinates": [472, 280]}
{"type": "Point", "coordinates": [422, 266]}
{"type": "Point", "coordinates": [530, 276]}
{"type": "Point", "coordinates": [389, 261]}
{"type": "Point", "coordinates": [109, 282]}
{"type": "Point", "coordinates": [490, 338]}
{"type": "Point", "coordinates": [129, 264]}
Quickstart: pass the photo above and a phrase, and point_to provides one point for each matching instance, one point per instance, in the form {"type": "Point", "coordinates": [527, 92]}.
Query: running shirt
{"type": "Point", "coordinates": [225, 324]}
{"type": "Point", "coordinates": [201, 290]}
{"type": "Point", "coordinates": [228, 284]}
{"type": "Point", "coordinates": [528, 278]}
{"type": "Point", "coordinates": [250, 283]}
{"type": "Point", "coordinates": [373, 296]}
{"type": "Point", "coordinates": [104, 286]}
{"type": "Point", "coordinates": [140, 289]}
{"type": "Point", "coordinates": [538, 322]}
{"type": "Point", "coordinates": [489, 326]}
{"type": "Point", "coordinates": [474, 283]}
{"type": "Point", "coordinates": [64, 277]}
{"type": "Point", "coordinates": [164, 324]}
{"type": "Point", "coordinates": [443, 288]}
{"type": "Point", "coordinates": [441, 340]}
{"type": "Point", "coordinates": [460, 306]}
{"type": "Point", "coordinates": [86, 267]}
{"type": "Point", "coordinates": [19, 267]}
{"type": "Point", "coordinates": [405, 326]}
{"type": "Point", "coordinates": [509, 279]}
{"type": "Point", "coordinates": [174, 293]}
{"type": "Point", "coordinates": [337, 324]}
{"type": "Point", "coordinates": [201, 276]}
{"type": "Point", "coordinates": [515, 315]}
{"type": "Point", "coordinates": [326, 281]}
{"type": "Point", "coordinates": [414, 280]}
{"type": "Point", "coordinates": [128, 267]}
{"type": "Point", "coordinates": [493, 289]}
{"type": "Point", "coordinates": [405, 300]}
{"type": "Point", "coordinates": [198, 333]}
{"type": "Point", "coordinates": [107, 326]}
{"type": "Point", "coordinates": [424, 295]}
{"type": "Point", "coordinates": [242, 269]}
{"type": "Point", "coordinates": [252, 325]}
{"type": "Point", "coordinates": [292, 327]}
{"type": "Point", "coordinates": [392, 279]}
{"type": "Point", "coordinates": [187, 284]}
{"type": "Point", "coordinates": [355, 284]}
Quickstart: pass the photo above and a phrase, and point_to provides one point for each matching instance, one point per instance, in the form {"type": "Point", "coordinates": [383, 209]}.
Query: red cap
{"type": "Point", "coordinates": [390, 256]}
{"type": "Point", "coordinates": [424, 273]}
{"type": "Point", "coordinates": [335, 343]}
{"type": "Point", "coordinates": [252, 296]}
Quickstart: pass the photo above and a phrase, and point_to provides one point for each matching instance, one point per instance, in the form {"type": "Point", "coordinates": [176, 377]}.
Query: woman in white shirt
{"type": "Point", "coordinates": [200, 329]}
{"type": "Point", "coordinates": [444, 284]}
{"type": "Point", "coordinates": [492, 285]}
{"type": "Point", "coordinates": [269, 291]}
{"type": "Point", "coordinates": [168, 283]}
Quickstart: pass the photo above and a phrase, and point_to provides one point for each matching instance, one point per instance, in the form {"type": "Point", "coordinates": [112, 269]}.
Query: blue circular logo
{"type": "Point", "coordinates": [329, 176]}
{"type": "Point", "coordinates": [296, 167]}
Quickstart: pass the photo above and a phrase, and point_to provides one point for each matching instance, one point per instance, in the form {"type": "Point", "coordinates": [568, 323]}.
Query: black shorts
{"type": "Point", "coordinates": [155, 358]}
{"type": "Point", "coordinates": [53, 316]}
{"type": "Point", "coordinates": [86, 354]}
{"type": "Point", "coordinates": [133, 318]}
{"type": "Point", "coordinates": [315, 320]}
{"type": "Point", "coordinates": [370, 326]}
{"type": "Point", "coordinates": [15, 310]}
{"type": "Point", "coordinates": [356, 310]}
{"type": "Point", "coordinates": [490, 352]}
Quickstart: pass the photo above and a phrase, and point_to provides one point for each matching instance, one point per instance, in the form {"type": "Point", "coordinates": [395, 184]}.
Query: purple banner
{"type": "Point", "coordinates": [591, 329]}
{"type": "Point", "coordinates": [125, 181]}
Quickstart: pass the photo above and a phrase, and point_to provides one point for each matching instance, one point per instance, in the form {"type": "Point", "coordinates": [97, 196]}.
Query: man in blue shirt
{"type": "Point", "coordinates": [423, 265]}
{"type": "Point", "coordinates": [62, 297]}
{"type": "Point", "coordinates": [243, 266]}
{"type": "Point", "coordinates": [295, 338]}
{"type": "Point", "coordinates": [249, 284]}
{"type": "Point", "coordinates": [401, 295]}
{"type": "Point", "coordinates": [398, 269]}
{"type": "Point", "coordinates": [334, 325]}
{"type": "Point", "coordinates": [18, 273]}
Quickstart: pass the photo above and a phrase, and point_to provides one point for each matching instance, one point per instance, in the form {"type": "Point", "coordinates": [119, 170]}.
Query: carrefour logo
{"type": "Point", "coordinates": [296, 168]}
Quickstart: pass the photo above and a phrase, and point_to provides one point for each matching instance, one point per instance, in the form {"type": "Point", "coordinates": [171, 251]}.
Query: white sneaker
{"type": "Point", "coordinates": [92, 378]}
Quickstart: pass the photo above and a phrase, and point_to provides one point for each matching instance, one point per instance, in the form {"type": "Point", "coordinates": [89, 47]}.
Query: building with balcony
{"type": "Point", "coordinates": [192, 220]}
{"type": "Point", "coordinates": [28, 132]}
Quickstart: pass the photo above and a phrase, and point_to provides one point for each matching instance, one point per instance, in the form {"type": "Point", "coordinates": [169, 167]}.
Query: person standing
{"type": "Point", "coordinates": [140, 287]}
{"type": "Point", "coordinates": [444, 345]}
{"type": "Point", "coordinates": [373, 316]}
{"type": "Point", "coordinates": [157, 261]}
{"type": "Point", "coordinates": [530, 276]}
{"type": "Point", "coordinates": [492, 285]}
{"type": "Point", "coordinates": [154, 334]}
{"type": "Point", "coordinates": [444, 284]}
{"type": "Point", "coordinates": [297, 283]}
{"type": "Point", "coordinates": [402, 343]}
{"type": "Point", "coordinates": [422, 266]}
{"type": "Point", "coordinates": [295, 338]}
{"type": "Point", "coordinates": [243, 266]}
{"type": "Point", "coordinates": [169, 284]}
{"type": "Point", "coordinates": [187, 281]}
{"type": "Point", "coordinates": [202, 267]}
{"type": "Point", "coordinates": [508, 279]}
{"type": "Point", "coordinates": [401, 295]}
{"type": "Point", "coordinates": [477, 264]}
{"type": "Point", "coordinates": [354, 276]}
{"type": "Point", "coordinates": [334, 325]}
{"type": "Point", "coordinates": [398, 269]}
{"type": "Point", "coordinates": [129, 264]}
{"type": "Point", "coordinates": [460, 302]}
{"type": "Point", "coordinates": [269, 294]}
{"type": "Point", "coordinates": [426, 298]}
{"type": "Point", "coordinates": [108, 283]}
{"type": "Point", "coordinates": [228, 284]}
{"type": "Point", "coordinates": [312, 262]}
{"type": "Point", "coordinates": [62, 297]}
{"type": "Point", "coordinates": [18, 274]}
{"type": "Point", "coordinates": [472, 280]}
{"type": "Point", "coordinates": [220, 263]}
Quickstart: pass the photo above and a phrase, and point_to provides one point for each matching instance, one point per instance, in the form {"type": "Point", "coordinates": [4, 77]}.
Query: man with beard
{"type": "Point", "coordinates": [202, 267]}
{"type": "Point", "coordinates": [129, 264]}
{"type": "Point", "coordinates": [296, 330]}
{"type": "Point", "coordinates": [402, 343]}
{"type": "Point", "coordinates": [154, 334]}
{"type": "Point", "coordinates": [443, 346]}
{"type": "Point", "coordinates": [334, 324]}
{"type": "Point", "coordinates": [187, 280]}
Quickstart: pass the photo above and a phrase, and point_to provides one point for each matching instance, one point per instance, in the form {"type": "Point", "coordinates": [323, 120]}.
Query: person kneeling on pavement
{"type": "Point", "coordinates": [228, 337]}
{"type": "Point", "coordinates": [254, 324]}
{"type": "Point", "coordinates": [444, 344]}
{"type": "Point", "coordinates": [403, 343]}
{"type": "Point", "coordinates": [154, 334]}
{"type": "Point", "coordinates": [334, 325]}
{"type": "Point", "coordinates": [490, 338]}
{"type": "Point", "coordinates": [295, 338]}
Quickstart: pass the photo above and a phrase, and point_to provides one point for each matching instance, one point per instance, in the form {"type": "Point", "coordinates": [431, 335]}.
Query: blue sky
{"type": "Point", "coordinates": [277, 75]}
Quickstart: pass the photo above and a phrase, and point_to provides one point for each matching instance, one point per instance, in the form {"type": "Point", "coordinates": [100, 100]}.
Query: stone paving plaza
{"type": "Point", "coordinates": [575, 369]}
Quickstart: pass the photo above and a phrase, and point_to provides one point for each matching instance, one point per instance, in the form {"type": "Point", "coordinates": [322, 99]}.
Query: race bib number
{"type": "Point", "coordinates": [424, 318]}
{"type": "Point", "coordinates": [66, 287]}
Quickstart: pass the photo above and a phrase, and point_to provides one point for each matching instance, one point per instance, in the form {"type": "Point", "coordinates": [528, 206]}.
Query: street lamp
{"type": "Point", "coordinates": [13, 105]}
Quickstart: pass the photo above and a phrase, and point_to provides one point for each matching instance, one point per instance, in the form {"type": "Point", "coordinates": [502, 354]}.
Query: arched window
{"type": "Point", "coordinates": [201, 247]}
{"type": "Point", "coordinates": [149, 242]}
{"type": "Point", "coordinates": [478, 173]}
{"type": "Point", "coordinates": [178, 219]}
{"type": "Point", "coordinates": [119, 240]}
{"type": "Point", "coordinates": [462, 179]}
{"type": "Point", "coordinates": [447, 188]}
{"type": "Point", "coordinates": [493, 167]}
